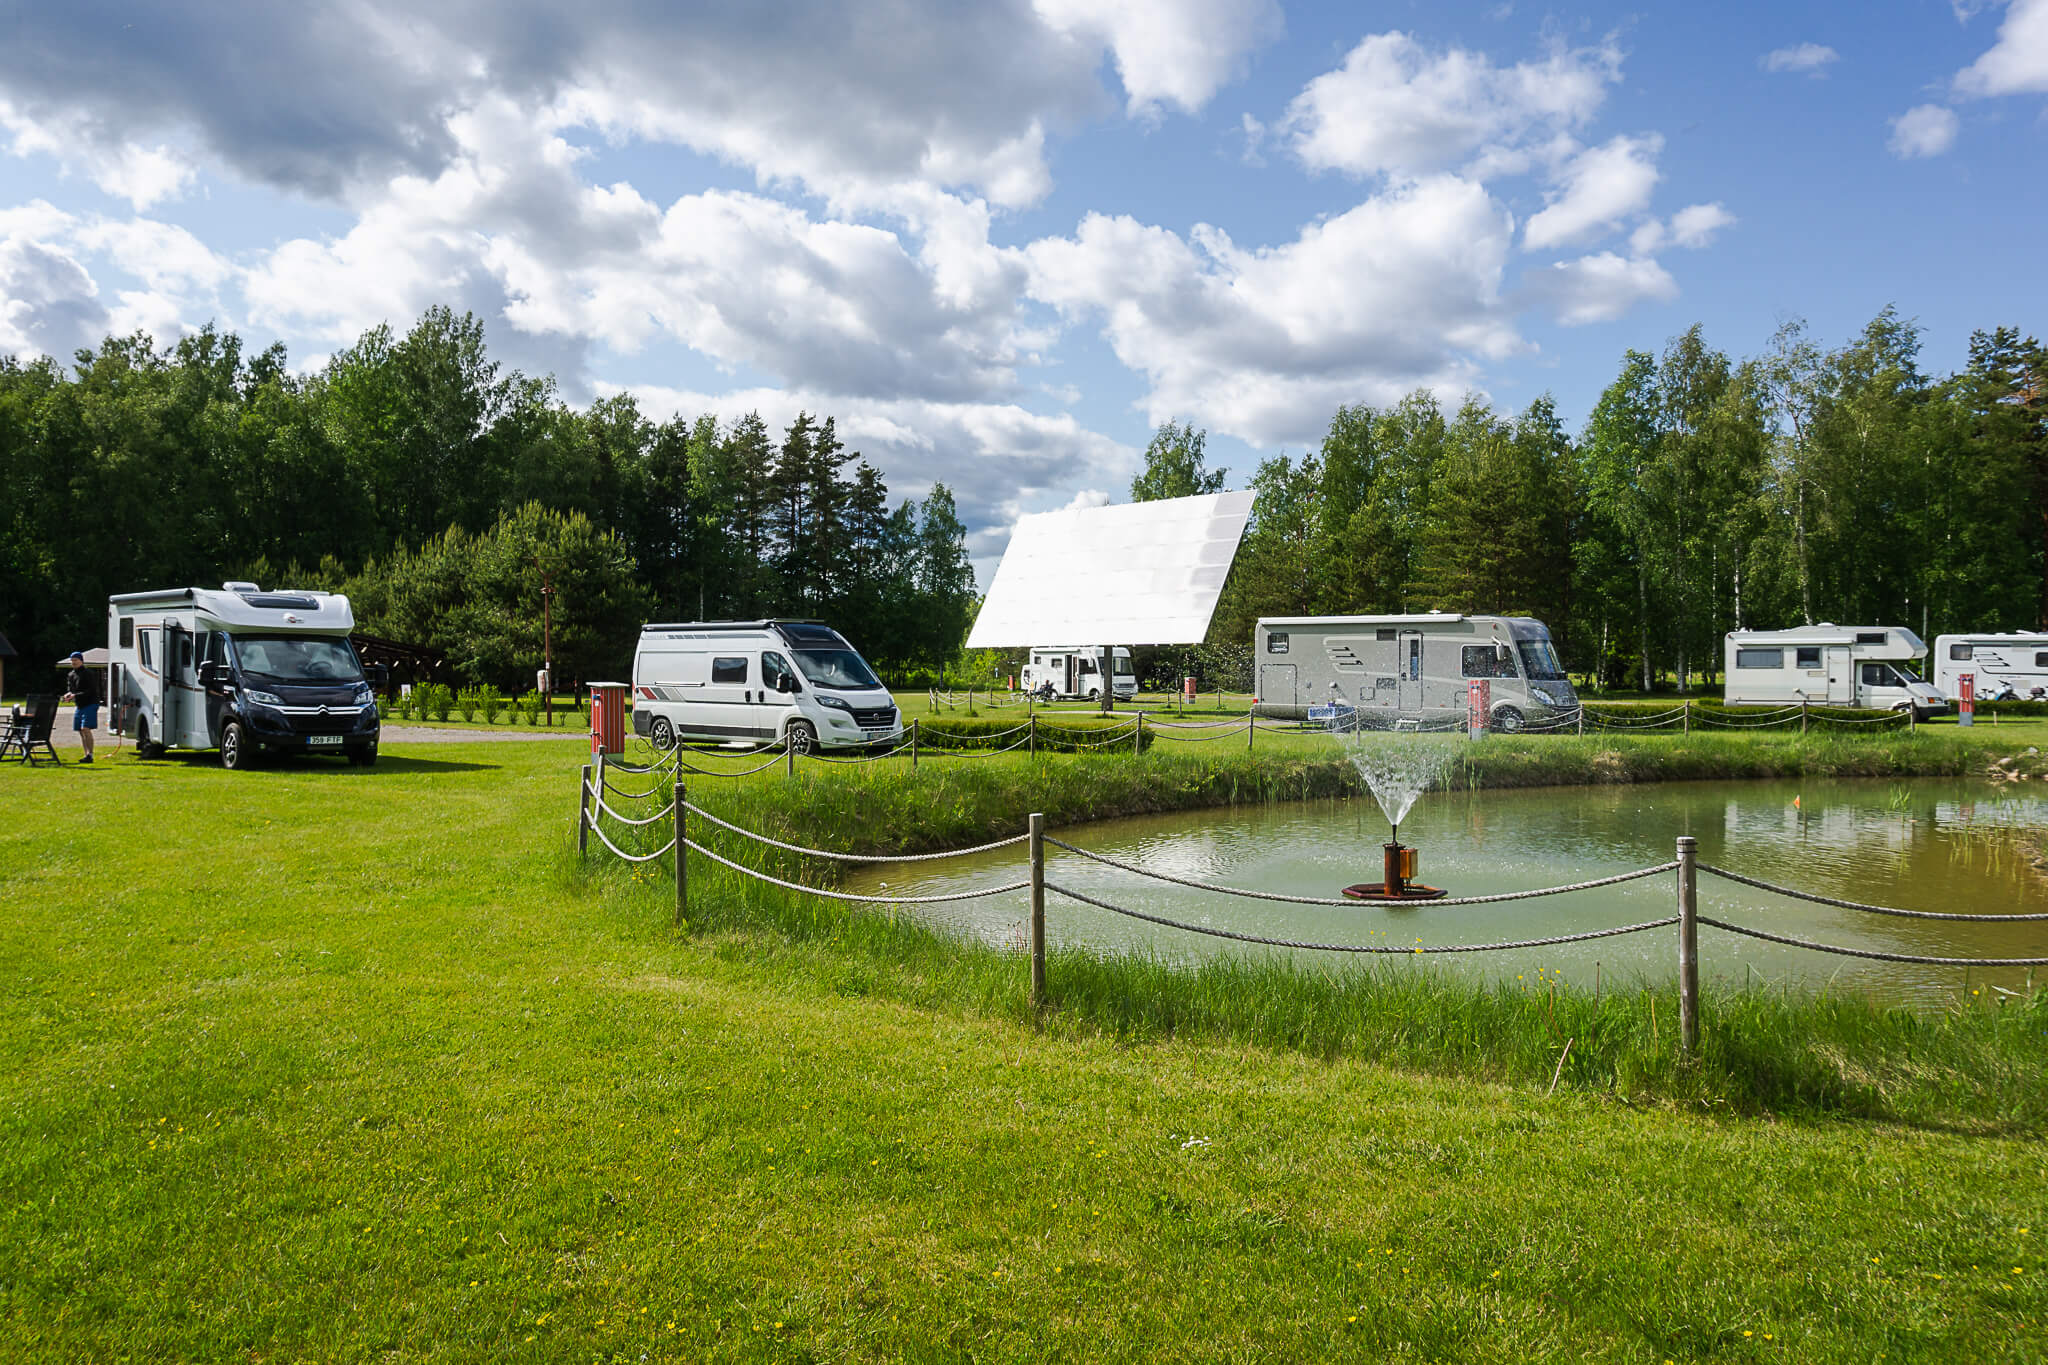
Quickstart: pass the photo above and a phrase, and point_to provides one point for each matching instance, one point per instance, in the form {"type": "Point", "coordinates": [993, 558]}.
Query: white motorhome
{"type": "Point", "coordinates": [757, 681]}
{"type": "Point", "coordinates": [1828, 665]}
{"type": "Point", "coordinates": [2003, 665]}
{"type": "Point", "coordinates": [239, 670]}
{"type": "Point", "coordinates": [1070, 672]}
{"type": "Point", "coordinates": [1411, 666]}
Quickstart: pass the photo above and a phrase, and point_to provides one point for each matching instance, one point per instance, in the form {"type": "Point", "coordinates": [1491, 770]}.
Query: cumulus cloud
{"type": "Point", "coordinates": [143, 175]}
{"type": "Point", "coordinates": [52, 302]}
{"type": "Point", "coordinates": [1601, 186]}
{"type": "Point", "coordinates": [2017, 64]}
{"type": "Point", "coordinates": [1810, 59]}
{"type": "Point", "coordinates": [1693, 226]}
{"type": "Point", "coordinates": [49, 304]}
{"type": "Point", "coordinates": [1395, 107]}
{"type": "Point", "coordinates": [1177, 52]}
{"type": "Point", "coordinates": [1924, 130]}
{"type": "Point", "coordinates": [1599, 288]}
{"type": "Point", "coordinates": [1400, 291]}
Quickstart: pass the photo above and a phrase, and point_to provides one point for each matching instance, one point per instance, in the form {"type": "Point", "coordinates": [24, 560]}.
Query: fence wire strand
{"type": "Point", "coordinates": [661, 814]}
{"type": "Point", "coordinates": [1872, 954]}
{"type": "Point", "coordinates": [1858, 905]}
{"type": "Point", "coordinates": [666, 848]}
{"type": "Point", "coordinates": [853, 857]}
{"type": "Point", "coordinates": [1005, 889]}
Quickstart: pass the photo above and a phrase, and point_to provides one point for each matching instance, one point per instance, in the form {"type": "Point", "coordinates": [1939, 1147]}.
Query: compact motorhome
{"type": "Point", "coordinates": [1411, 666]}
{"type": "Point", "coordinates": [1069, 672]}
{"type": "Point", "coordinates": [1828, 665]}
{"type": "Point", "coordinates": [240, 670]}
{"type": "Point", "coordinates": [763, 681]}
{"type": "Point", "coordinates": [2003, 665]}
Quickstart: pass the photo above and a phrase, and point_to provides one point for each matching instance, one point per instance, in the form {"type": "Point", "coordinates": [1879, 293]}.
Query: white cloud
{"type": "Point", "coordinates": [1810, 58]}
{"type": "Point", "coordinates": [2017, 64]}
{"type": "Point", "coordinates": [1177, 52]}
{"type": "Point", "coordinates": [1693, 226]}
{"type": "Point", "coordinates": [1400, 291]}
{"type": "Point", "coordinates": [1924, 130]}
{"type": "Point", "coordinates": [127, 170]}
{"type": "Point", "coordinates": [1394, 107]}
{"type": "Point", "coordinates": [49, 303]}
{"type": "Point", "coordinates": [1602, 186]}
{"type": "Point", "coordinates": [1599, 288]}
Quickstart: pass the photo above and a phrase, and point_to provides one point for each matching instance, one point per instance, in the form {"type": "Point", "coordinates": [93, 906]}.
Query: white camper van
{"type": "Point", "coordinates": [1070, 672]}
{"type": "Point", "coordinates": [2004, 665]}
{"type": "Point", "coordinates": [240, 670]}
{"type": "Point", "coordinates": [1411, 666]}
{"type": "Point", "coordinates": [758, 681]}
{"type": "Point", "coordinates": [1828, 665]}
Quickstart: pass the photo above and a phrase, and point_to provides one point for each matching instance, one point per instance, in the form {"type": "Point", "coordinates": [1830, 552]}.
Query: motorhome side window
{"type": "Point", "coordinates": [1759, 658]}
{"type": "Point", "coordinates": [127, 632]}
{"type": "Point", "coordinates": [1869, 637]}
{"type": "Point", "coordinates": [2041, 661]}
{"type": "Point", "coordinates": [774, 668]}
{"type": "Point", "coordinates": [1087, 666]}
{"type": "Point", "coordinates": [1485, 661]}
{"type": "Point", "coordinates": [728, 670]}
{"type": "Point", "coordinates": [1962, 653]}
{"type": "Point", "coordinates": [1384, 633]}
{"type": "Point", "coordinates": [1809, 656]}
{"type": "Point", "coordinates": [146, 661]}
{"type": "Point", "coordinates": [1276, 643]}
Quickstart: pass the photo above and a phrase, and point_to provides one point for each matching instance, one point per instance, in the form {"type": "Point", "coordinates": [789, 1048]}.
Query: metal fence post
{"type": "Point", "coordinates": [1688, 945]}
{"type": "Point", "coordinates": [913, 744]}
{"type": "Point", "coordinates": [1037, 911]}
{"type": "Point", "coordinates": [682, 860]}
{"type": "Point", "coordinates": [583, 812]}
{"type": "Point", "coordinates": [789, 755]}
{"type": "Point", "coordinates": [1251, 725]}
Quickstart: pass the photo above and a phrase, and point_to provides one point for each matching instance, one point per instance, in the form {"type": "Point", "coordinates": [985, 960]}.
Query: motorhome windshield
{"type": "Point", "coordinates": [1539, 660]}
{"type": "Point", "coordinates": [298, 658]}
{"type": "Point", "coordinates": [840, 668]}
{"type": "Point", "coordinates": [1122, 668]}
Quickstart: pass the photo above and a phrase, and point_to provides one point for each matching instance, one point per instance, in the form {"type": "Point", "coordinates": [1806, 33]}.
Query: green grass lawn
{"type": "Point", "coordinates": [334, 1064]}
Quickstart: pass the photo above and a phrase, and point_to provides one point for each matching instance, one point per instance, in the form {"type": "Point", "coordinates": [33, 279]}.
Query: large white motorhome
{"type": "Point", "coordinates": [757, 681]}
{"type": "Point", "coordinates": [239, 670]}
{"type": "Point", "coordinates": [2012, 665]}
{"type": "Point", "coordinates": [1411, 667]}
{"type": "Point", "coordinates": [1070, 672]}
{"type": "Point", "coordinates": [1828, 665]}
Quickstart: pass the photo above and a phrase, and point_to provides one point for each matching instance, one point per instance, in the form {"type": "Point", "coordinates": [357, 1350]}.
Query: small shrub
{"type": "Point", "coordinates": [530, 707]}
{"type": "Point", "coordinates": [491, 701]}
{"type": "Point", "coordinates": [436, 700]}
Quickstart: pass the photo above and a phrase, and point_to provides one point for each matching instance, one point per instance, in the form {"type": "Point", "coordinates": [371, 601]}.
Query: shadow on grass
{"type": "Point", "coordinates": [386, 764]}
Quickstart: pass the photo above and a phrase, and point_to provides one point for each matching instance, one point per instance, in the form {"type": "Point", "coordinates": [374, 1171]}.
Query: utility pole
{"type": "Point", "coordinates": [547, 643]}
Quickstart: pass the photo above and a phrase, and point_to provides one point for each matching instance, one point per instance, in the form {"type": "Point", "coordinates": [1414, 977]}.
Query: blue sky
{"type": "Point", "coordinates": [1000, 243]}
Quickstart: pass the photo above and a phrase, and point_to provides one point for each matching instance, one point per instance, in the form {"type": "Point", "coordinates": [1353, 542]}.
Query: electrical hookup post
{"type": "Point", "coordinates": [607, 718]}
{"type": "Point", "coordinates": [1966, 699]}
{"type": "Point", "coordinates": [1478, 693]}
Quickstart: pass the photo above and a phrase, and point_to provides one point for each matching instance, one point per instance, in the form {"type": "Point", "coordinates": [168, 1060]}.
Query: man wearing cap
{"type": "Point", "coordinates": [82, 689]}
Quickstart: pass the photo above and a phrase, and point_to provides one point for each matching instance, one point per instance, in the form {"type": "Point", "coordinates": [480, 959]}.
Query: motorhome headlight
{"type": "Point", "coordinates": [836, 703]}
{"type": "Point", "coordinates": [364, 696]}
{"type": "Point", "coordinates": [265, 698]}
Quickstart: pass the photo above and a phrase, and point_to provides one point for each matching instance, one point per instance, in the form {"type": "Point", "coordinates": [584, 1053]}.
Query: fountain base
{"type": "Point", "coordinates": [1398, 866]}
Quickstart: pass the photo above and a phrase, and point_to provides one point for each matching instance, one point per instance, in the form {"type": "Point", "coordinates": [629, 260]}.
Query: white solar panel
{"type": "Point", "coordinates": [1142, 573]}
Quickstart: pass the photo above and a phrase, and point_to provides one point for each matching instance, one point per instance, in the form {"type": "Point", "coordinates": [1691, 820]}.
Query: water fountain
{"type": "Point", "coordinates": [1398, 762]}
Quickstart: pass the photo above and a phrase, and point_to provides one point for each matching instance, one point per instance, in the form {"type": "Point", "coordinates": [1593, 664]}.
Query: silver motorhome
{"type": "Point", "coordinates": [757, 681]}
{"type": "Point", "coordinates": [1070, 672]}
{"type": "Point", "coordinates": [1828, 665]}
{"type": "Point", "coordinates": [239, 670]}
{"type": "Point", "coordinates": [1415, 665]}
{"type": "Point", "coordinates": [2011, 665]}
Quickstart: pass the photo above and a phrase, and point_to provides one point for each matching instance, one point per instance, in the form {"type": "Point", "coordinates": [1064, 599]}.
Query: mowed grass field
{"type": "Point", "coordinates": [332, 1064]}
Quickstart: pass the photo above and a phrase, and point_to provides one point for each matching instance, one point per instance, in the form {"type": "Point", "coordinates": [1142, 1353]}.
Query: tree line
{"type": "Point", "coordinates": [1704, 494]}
{"type": "Point", "coordinates": [443, 495]}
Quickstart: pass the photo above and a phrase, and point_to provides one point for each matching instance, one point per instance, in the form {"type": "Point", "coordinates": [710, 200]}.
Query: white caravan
{"type": "Point", "coordinates": [240, 670]}
{"type": "Point", "coordinates": [1069, 672]}
{"type": "Point", "coordinates": [1828, 665]}
{"type": "Point", "coordinates": [2014, 665]}
{"type": "Point", "coordinates": [1411, 666]}
{"type": "Point", "coordinates": [759, 682]}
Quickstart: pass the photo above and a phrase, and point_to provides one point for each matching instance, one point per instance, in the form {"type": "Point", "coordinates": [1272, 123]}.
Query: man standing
{"type": "Point", "coordinates": [82, 689]}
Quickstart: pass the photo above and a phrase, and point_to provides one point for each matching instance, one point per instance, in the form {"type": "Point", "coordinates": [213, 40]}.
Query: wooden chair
{"type": "Point", "coordinates": [23, 737]}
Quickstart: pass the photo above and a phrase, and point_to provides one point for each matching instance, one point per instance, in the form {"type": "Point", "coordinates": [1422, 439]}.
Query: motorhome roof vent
{"type": "Point", "coordinates": [239, 586]}
{"type": "Point", "coordinates": [280, 601]}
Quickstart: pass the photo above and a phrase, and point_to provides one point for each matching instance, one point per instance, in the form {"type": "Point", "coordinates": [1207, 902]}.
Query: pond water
{"type": "Point", "coordinates": [1922, 845]}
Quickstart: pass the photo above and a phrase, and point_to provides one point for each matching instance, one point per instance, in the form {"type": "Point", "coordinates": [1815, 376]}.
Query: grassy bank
{"type": "Point", "coordinates": [370, 1068]}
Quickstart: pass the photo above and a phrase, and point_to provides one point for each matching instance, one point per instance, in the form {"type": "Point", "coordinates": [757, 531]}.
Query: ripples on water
{"type": "Point", "coordinates": [1925, 845]}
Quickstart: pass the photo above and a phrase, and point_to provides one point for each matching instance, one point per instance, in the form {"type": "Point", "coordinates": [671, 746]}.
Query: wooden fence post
{"type": "Point", "coordinates": [1037, 911]}
{"type": "Point", "coordinates": [683, 862]}
{"type": "Point", "coordinates": [788, 755]}
{"type": "Point", "coordinates": [1688, 717]}
{"type": "Point", "coordinates": [1688, 945]}
{"type": "Point", "coordinates": [1802, 717]}
{"type": "Point", "coordinates": [583, 812]}
{"type": "Point", "coordinates": [1582, 720]}
{"type": "Point", "coordinates": [913, 744]}
{"type": "Point", "coordinates": [1138, 735]}
{"type": "Point", "coordinates": [1032, 736]}
{"type": "Point", "coordinates": [1251, 725]}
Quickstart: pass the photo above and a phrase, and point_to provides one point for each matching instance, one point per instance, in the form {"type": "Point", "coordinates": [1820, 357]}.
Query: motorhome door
{"type": "Point", "coordinates": [1841, 677]}
{"type": "Point", "coordinates": [1409, 662]}
{"type": "Point", "coordinates": [174, 705]}
{"type": "Point", "coordinates": [1276, 685]}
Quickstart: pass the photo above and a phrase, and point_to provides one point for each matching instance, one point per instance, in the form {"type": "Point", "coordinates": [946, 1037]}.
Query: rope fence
{"type": "Point", "coordinates": [592, 811]}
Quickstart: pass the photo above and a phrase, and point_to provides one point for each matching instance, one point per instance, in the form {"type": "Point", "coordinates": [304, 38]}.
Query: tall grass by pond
{"type": "Point", "coordinates": [1979, 1061]}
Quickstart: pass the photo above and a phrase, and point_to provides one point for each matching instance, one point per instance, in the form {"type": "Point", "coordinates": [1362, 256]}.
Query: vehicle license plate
{"type": "Point", "coordinates": [323, 740]}
{"type": "Point", "coordinates": [878, 734]}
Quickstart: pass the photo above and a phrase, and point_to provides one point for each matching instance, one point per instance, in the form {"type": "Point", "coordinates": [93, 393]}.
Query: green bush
{"type": "Point", "coordinates": [530, 706]}
{"type": "Point", "coordinates": [467, 702]}
{"type": "Point", "coordinates": [435, 700]}
{"type": "Point", "coordinates": [492, 701]}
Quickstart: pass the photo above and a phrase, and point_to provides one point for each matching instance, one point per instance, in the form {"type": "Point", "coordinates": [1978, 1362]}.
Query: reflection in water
{"type": "Point", "coordinates": [1950, 846]}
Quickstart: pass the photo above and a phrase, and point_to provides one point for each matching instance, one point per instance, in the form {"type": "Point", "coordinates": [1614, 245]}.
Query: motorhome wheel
{"type": "Point", "coordinates": [143, 747]}
{"type": "Point", "coordinates": [1507, 720]}
{"type": "Point", "coordinates": [1095, 694]}
{"type": "Point", "coordinates": [802, 737]}
{"type": "Point", "coordinates": [662, 734]}
{"type": "Point", "coordinates": [235, 749]}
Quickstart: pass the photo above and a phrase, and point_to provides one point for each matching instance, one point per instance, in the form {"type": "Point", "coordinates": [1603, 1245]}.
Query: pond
{"type": "Point", "coordinates": [1922, 845]}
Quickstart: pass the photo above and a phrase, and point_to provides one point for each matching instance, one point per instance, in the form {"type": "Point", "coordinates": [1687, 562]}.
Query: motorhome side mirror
{"type": "Point", "coordinates": [785, 682]}
{"type": "Point", "coordinates": [209, 674]}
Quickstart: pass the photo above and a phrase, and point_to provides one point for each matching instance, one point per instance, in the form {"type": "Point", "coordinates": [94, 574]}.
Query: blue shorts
{"type": "Point", "coordinates": [86, 716]}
